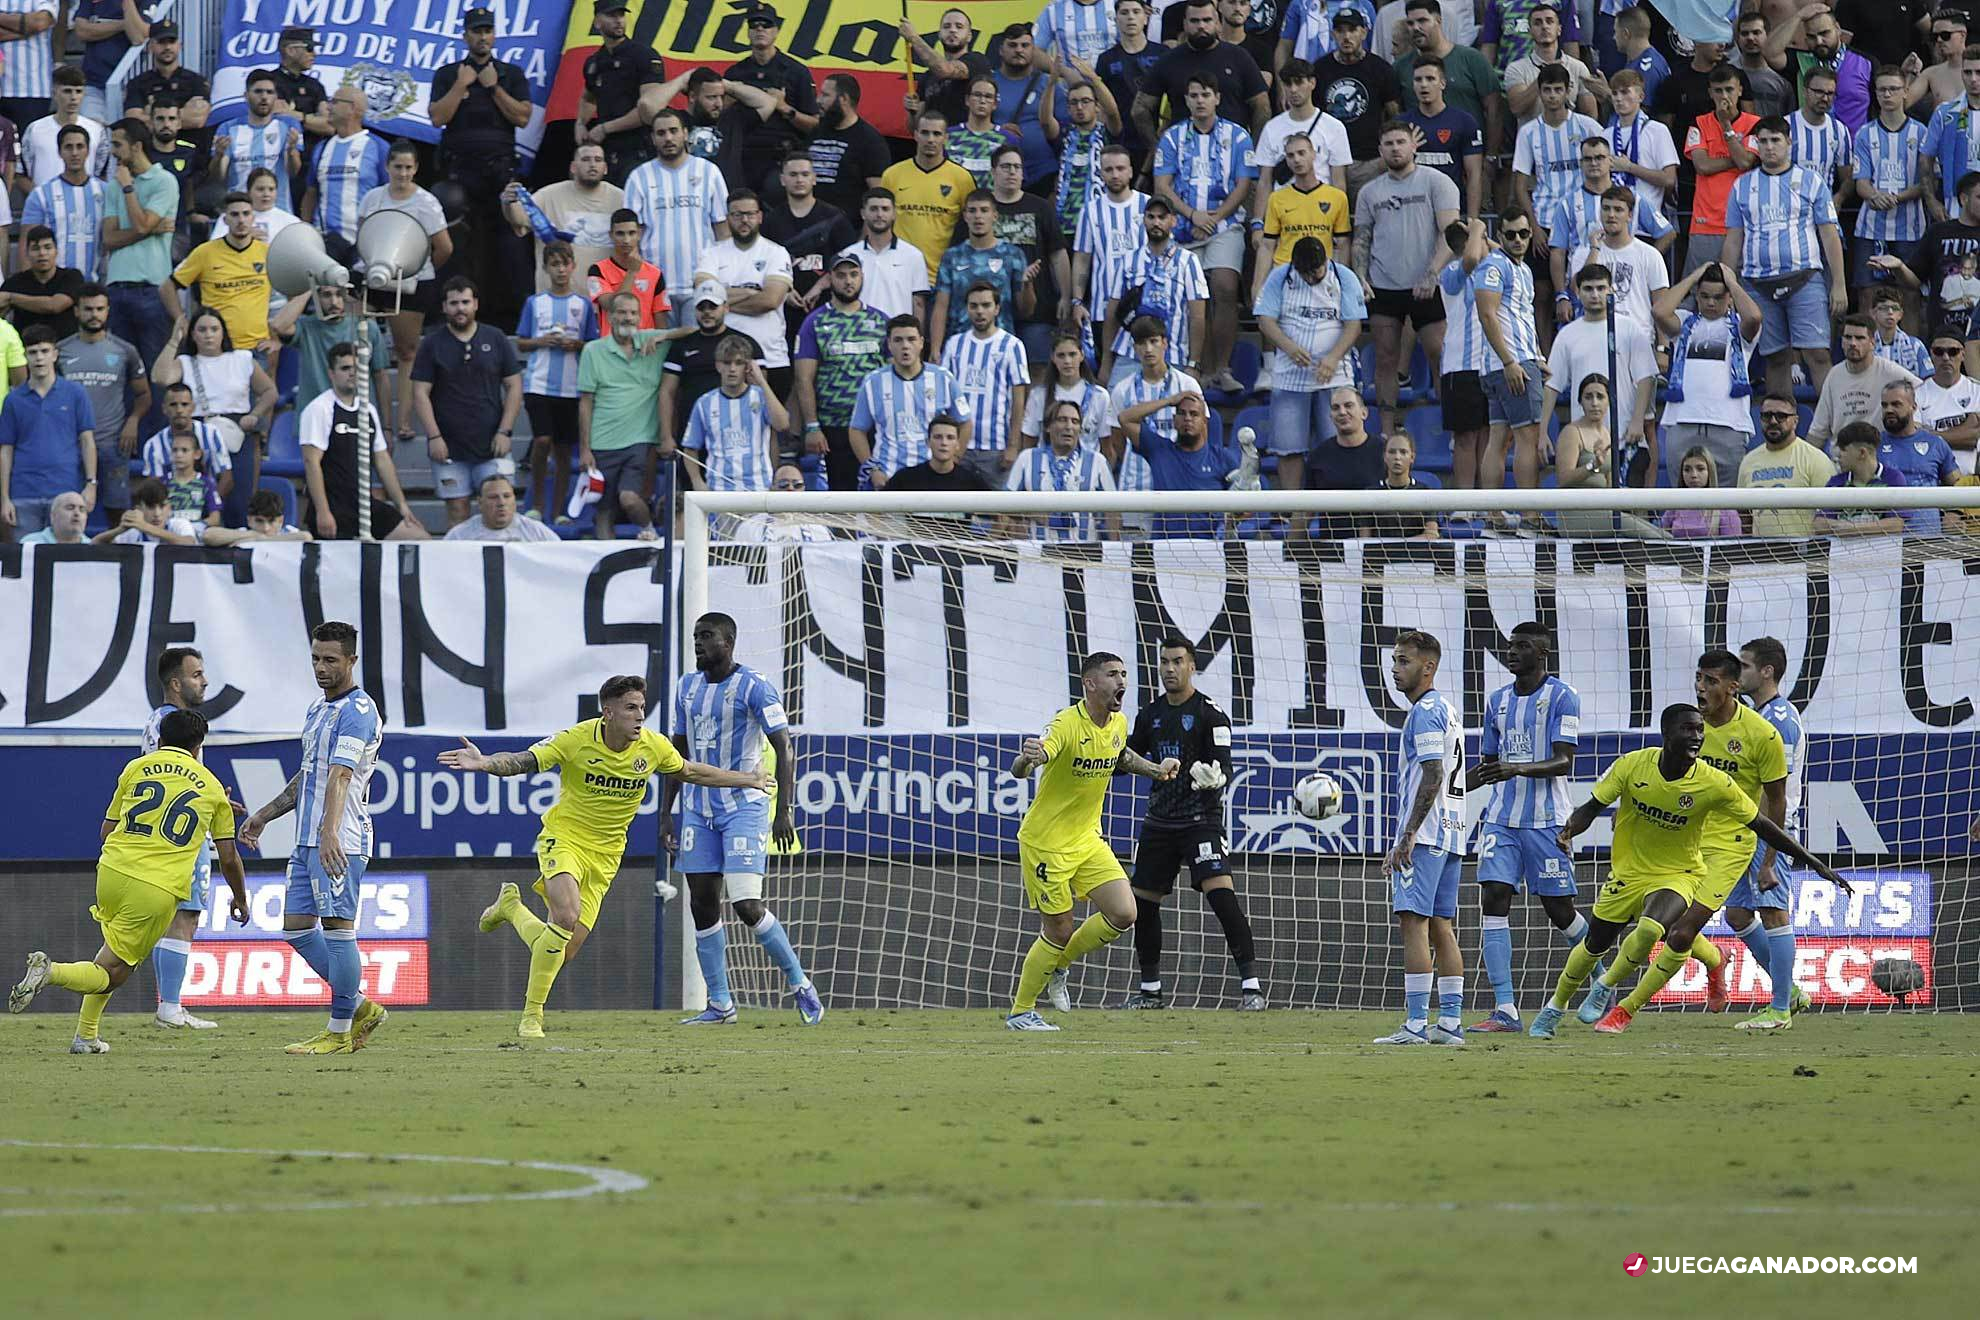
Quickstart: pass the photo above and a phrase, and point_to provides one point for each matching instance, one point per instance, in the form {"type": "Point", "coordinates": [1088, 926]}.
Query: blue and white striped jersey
{"type": "Point", "coordinates": [1138, 389]}
{"type": "Point", "coordinates": [1778, 215]}
{"type": "Point", "coordinates": [1110, 233]}
{"type": "Point", "coordinates": [1042, 469]}
{"type": "Point", "coordinates": [1521, 728]}
{"type": "Point", "coordinates": [344, 170]}
{"type": "Point", "coordinates": [1433, 735]}
{"type": "Point", "coordinates": [1889, 160]}
{"type": "Point", "coordinates": [1314, 316]}
{"type": "Point", "coordinates": [29, 69]}
{"type": "Point", "coordinates": [267, 147]}
{"type": "Point", "coordinates": [553, 372]}
{"type": "Point", "coordinates": [1464, 337]}
{"type": "Point", "coordinates": [894, 411]}
{"type": "Point", "coordinates": [1135, 475]}
{"type": "Point", "coordinates": [1204, 169]}
{"type": "Point", "coordinates": [1781, 713]}
{"type": "Point", "coordinates": [1577, 221]}
{"type": "Point", "coordinates": [1069, 28]}
{"type": "Point", "coordinates": [344, 731]}
{"type": "Point", "coordinates": [733, 432]}
{"type": "Point", "coordinates": [1309, 25]}
{"type": "Point", "coordinates": [155, 454]}
{"type": "Point", "coordinates": [680, 208]}
{"type": "Point", "coordinates": [726, 723]}
{"type": "Point", "coordinates": [1550, 155]}
{"type": "Point", "coordinates": [75, 212]}
{"type": "Point", "coordinates": [987, 369]}
{"type": "Point", "coordinates": [1513, 282]}
{"type": "Point", "coordinates": [149, 742]}
{"type": "Point", "coordinates": [1167, 282]}
{"type": "Point", "coordinates": [1821, 147]}
{"type": "Point", "coordinates": [1908, 351]}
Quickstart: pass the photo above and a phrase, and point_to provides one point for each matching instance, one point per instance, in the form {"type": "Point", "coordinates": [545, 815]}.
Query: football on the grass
{"type": "Point", "coordinates": [1317, 796]}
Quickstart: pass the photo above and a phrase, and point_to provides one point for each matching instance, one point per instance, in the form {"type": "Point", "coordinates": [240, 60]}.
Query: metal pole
{"type": "Point", "coordinates": [669, 630]}
{"type": "Point", "coordinates": [364, 424]}
{"type": "Point", "coordinates": [1615, 411]}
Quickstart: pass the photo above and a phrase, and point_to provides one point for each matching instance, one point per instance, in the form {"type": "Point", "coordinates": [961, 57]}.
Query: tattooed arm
{"type": "Point", "coordinates": [469, 757]}
{"type": "Point", "coordinates": [249, 835]}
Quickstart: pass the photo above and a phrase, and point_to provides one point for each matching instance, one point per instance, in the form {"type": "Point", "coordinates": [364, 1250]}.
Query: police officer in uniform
{"type": "Point", "coordinates": [770, 140]}
{"type": "Point", "coordinates": [189, 89]}
{"type": "Point", "coordinates": [299, 93]}
{"type": "Point", "coordinates": [621, 94]}
{"type": "Point", "coordinates": [478, 104]}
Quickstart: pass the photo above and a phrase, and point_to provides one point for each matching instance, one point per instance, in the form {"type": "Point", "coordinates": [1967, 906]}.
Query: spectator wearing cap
{"type": "Point", "coordinates": [838, 347]}
{"type": "Point", "coordinates": [478, 103]}
{"type": "Point", "coordinates": [796, 113]}
{"type": "Point", "coordinates": [495, 517]}
{"type": "Point", "coordinates": [756, 275]}
{"type": "Point", "coordinates": [622, 82]}
{"type": "Point", "coordinates": [168, 77]}
{"type": "Point", "coordinates": [26, 76]}
{"type": "Point", "coordinates": [896, 271]}
{"type": "Point", "coordinates": [1363, 91]}
{"type": "Point", "coordinates": [299, 92]}
{"type": "Point", "coordinates": [106, 28]}
{"type": "Point", "coordinates": [690, 371]}
{"type": "Point", "coordinates": [626, 271]}
{"type": "Point", "coordinates": [1241, 94]}
{"type": "Point", "coordinates": [41, 141]}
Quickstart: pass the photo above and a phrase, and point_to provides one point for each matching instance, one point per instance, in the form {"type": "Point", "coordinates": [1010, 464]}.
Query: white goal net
{"type": "Point", "coordinates": [915, 647]}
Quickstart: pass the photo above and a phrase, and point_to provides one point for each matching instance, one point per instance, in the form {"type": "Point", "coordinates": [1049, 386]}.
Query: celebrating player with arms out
{"type": "Point", "coordinates": [1185, 823]}
{"type": "Point", "coordinates": [166, 806]}
{"type": "Point", "coordinates": [1745, 746]}
{"type": "Point", "coordinates": [330, 796]}
{"type": "Point", "coordinates": [1428, 856]}
{"type": "Point", "coordinates": [1532, 725]}
{"type": "Point", "coordinates": [182, 682]}
{"type": "Point", "coordinates": [726, 714]}
{"type": "Point", "coordinates": [1060, 848]}
{"type": "Point", "coordinates": [605, 765]}
{"type": "Point", "coordinates": [1760, 907]}
{"type": "Point", "coordinates": [1663, 796]}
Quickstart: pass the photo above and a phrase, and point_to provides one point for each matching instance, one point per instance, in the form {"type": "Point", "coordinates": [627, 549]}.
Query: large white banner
{"type": "Point", "coordinates": [913, 638]}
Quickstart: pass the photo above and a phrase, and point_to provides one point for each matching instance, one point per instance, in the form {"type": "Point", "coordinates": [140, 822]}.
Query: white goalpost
{"type": "Point", "coordinates": [929, 634]}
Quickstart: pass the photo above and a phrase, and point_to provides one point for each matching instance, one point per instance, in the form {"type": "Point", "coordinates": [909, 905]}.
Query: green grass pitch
{"type": "Point", "coordinates": [932, 1164]}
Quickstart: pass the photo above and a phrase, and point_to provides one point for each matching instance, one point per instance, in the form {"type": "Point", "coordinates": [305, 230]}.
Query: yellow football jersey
{"type": "Point", "coordinates": [602, 788]}
{"type": "Point", "coordinates": [1292, 215]}
{"type": "Point", "coordinates": [1079, 764]}
{"type": "Point", "coordinates": [233, 282]}
{"type": "Point", "coordinates": [165, 805]}
{"type": "Point", "coordinates": [1748, 748]}
{"type": "Point", "coordinates": [1659, 821]}
{"type": "Point", "coordinates": [927, 204]}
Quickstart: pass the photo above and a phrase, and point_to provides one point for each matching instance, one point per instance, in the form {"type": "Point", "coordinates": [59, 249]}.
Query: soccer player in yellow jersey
{"type": "Point", "coordinates": [1739, 741]}
{"type": "Point", "coordinates": [1662, 797]}
{"type": "Point", "coordinates": [1060, 848]}
{"type": "Point", "coordinates": [605, 764]}
{"type": "Point", "coordinates": [165, 806]}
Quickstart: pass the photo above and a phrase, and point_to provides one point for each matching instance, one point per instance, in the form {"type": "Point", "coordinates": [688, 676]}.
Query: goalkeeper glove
{"type": "Point", "coordinates": [1207, 774]}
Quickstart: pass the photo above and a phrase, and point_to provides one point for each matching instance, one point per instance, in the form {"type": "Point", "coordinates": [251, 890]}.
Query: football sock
{"type": "Point", "coordinates": [528, 926]}
{"type": "Point", "coordinates": [1040, 961]}
{"type": "Point", "coordinates": [1450, 1001]}
{"type": "Point", "coordinates": [1706, 952]}
{"type": "Point", "coordinates": [546, 959]}
{"type": "Point", "coordinates": [1780, 965]}
{"type": "Point", "coordinates": [1661, 969]}
{"type": "Point", "coordinates": [1148, 942]}
{"type": "Point", "coordinates": [311, 948]}
{"type": "Point", "coordinates": [1633, 952]}
{"type": "Point", "coordinates": [1416, 994]}
{"type": "Point", "coordinates": [168, 963]}
{"type": "Point", "coordinates": [1580, 962]}
{"type": "Point", "coordinates": [90, 1020]}
{"type": "Point", "coordinates": [345, 970]}
{"type": "Point", "coordinates": [1093, 933]}
{"type": "Point", "coordinates": [1754, 937]}
{"type": "Point", "coordinates": [711, 950]}
{"type": "Point", "coordinates": [1237, 929]}
{"type": "Point", "coordinates": [82, 977]}
{"type": "Point", "coordinates": [770, 934]}
{"type": "Point", "coordinates": [1572, 933]}
{"type": "Point", "coordinates": [1495, 944]}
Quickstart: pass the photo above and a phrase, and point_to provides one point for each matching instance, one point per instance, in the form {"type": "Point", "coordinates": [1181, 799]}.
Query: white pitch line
{"type": "Point", "coordinates": [1370, 1207]}
{"type": "Point", "coordinates": [612, 1181]}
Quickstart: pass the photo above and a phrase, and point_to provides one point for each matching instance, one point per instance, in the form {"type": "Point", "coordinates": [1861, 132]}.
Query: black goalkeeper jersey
{"type": "Point", "coordinates": [1195, 730]}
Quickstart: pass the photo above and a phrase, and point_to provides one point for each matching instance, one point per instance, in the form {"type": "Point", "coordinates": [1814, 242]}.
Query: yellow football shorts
{"type": "Point", "coordinates": [1052, 880]}
{"type": "Point", "coordinates": [1723, 871]}
{"type": "Point", "coordinates": [593, 872]}
{"type": "Point", "coordinates": [1621, 901]}
{"type": "Point", "coordinates": [134, 915]}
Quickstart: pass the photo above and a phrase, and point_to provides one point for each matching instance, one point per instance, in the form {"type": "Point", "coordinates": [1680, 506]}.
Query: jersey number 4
{"type": "Point", "coordinates": [181, 819]}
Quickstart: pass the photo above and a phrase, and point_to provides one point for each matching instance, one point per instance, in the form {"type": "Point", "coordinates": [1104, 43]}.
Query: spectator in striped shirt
{"type": "Point", "coordinates": [1892, 343]}
{"type": "Point", "coordinates": [261, 140]}
{"type": "Point", "coordinates": [1162, 279]}
{"type": "Point", "coordinates": [1311, 311]}
{"type": "Point", "coordinates": [181, 423]}
{"type": "Point", "coordinates": [1109, 233]}
{"type": "Point", "coordinates": [732, 432]}
{"type": "Point", "coordinates": [1070, 31]}
{"type": "Point", "coordinates": [1095, 121]}
{"type": "Point", "coordinates": [1063, 466]}
{"type": "Point", "coordinates": [989, 362]}
{"type": "Point", "coordinates": [683, 202]}
{"type": "Point", "coordinates": [1204, 171]}
{"type": "Point", "coordinates": [1781, 234]}
{"type": "Point", "coordinates": [1889, 177]}
{"type": "Point", "coordinates": [27, 75]}
{"type": "Point", "coordinates": [1821, 141]}
{"type": "Point", "coordinates": [889, 428]}
{"type": "Point", "coordinates": [1949, 137]}
{"type": "Point", "coordinates": [553, 329]}
{"type": "Point", "coordinates": [347, 165]}
{"type": "Point", "coordinates": [70, 205]}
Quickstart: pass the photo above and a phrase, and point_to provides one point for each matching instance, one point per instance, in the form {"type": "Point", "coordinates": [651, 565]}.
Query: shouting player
{"type": "Point", "coordinates": [1760, 908]}
{"type": "Point", "coordinates": [605, 765]}
{"type": "Point", "coordinates": [166, 806]}
{"type": "Point", "coordinates": [1428, 855]}
{"type": "Point", "coordinates": [1663, 796]}
{"type": "Point", "coordinates": [182, 682]}
{"type": "Point", "coordinates": [1532, 725]}
{"type": "Point", "coordinates": [1745, 746]}
{"type": "Point", "coordinates": [1185, 824]}
{"type": "Point", "coordinates": [725, 714]}
{"type": "Point", "coordinates": [330, 795]}
{"type": "Point", "coordinates": [1060, 848]}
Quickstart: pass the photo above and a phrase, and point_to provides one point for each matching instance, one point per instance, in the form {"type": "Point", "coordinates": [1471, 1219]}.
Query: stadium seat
{"type": "Point", "coordinates": [285, 490]}
{"type": "Point", "coordinates": [284, 448]}
{"type": "Point", "coordinates": [1425, 424]}
{"type": "Point", "coordinates": [1428, 479]}
{"type": "Point", "coordinates": [1246, 362]}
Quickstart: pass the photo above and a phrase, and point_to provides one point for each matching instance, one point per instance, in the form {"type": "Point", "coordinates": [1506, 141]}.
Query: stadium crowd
{"type": "Point", "coordinates": [1174, 246]}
